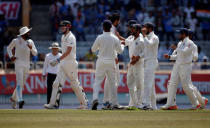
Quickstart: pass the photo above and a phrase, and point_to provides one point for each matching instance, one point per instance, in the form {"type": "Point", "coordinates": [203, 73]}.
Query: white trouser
{"type": "Point", "coordinates": [107, 86]}
{"type": "Point", "coordinates": [21, 76]}
{"type": "Point", "coordinates": [135, 82]}
{"type": "Point", "coordinates": [181, 73]}
{"type": "Point", "coordinates": [200, 98]}
{"type": "Point", "coordinates": [149, 95]}
{"type": "Point", "coordinates": [68, 69]}
{"type": "Point", "coordinates": [108, 69]}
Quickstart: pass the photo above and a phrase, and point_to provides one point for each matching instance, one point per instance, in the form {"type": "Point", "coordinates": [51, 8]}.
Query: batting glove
{"type": "Point", "coordinates": [53, 63]}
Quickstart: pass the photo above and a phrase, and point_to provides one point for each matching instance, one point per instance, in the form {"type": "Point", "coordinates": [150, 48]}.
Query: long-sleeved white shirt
{"type": "Point", "coordinates": [184, 52]}
{"type": "Point", "coordinates": [22, 51]}
{"type": "Point", "coordinates": [135, 46]}
{"type": "Point", "coordinates": [47, 67]}
{"type": "Point", "coordinates": [107, 44]}
{"type": "Point", "coordinates": [68, 40]}
{"type": "Point", "coordinates": [151, 43]}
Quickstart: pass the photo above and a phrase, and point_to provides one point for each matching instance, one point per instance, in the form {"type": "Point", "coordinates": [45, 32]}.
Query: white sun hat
{"type": "Point", "coordinates": [24, 30]}
{"type": "Point", "coordinates": [54, 45]}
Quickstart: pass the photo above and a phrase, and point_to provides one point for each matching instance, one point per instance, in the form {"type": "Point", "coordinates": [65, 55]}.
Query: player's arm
{"type": "Point", "coordinates": [138, 53]}
{"type": "Point", "coordinates": [119, 36]}
{"type": "Point", "coordinates": [9, 50]}
{"type": "Point", "coordinates": [95, 46]}
{"type": "Point", "coordinates": [32, 47]}
{"type": "Point", "coordinates": [44, 72]}
{"type": "Point", "coordinates": [187, 49]}
{"type": "Point", "coordinates": [195, 53]}
{"type": "Point", "coordinates": [151, 42]}
{"type": "Point", "coordinates": [68, 51]}
{"type": "Point", "coordinates": [119, 48]}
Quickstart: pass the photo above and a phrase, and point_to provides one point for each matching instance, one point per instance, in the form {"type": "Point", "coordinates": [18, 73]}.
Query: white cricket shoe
{"type": "Point", "coordinates": [167, 107]}
{"type": "Point", "coordinates": [83, 107]}
{"type": "Point", "coordinates": [13, 103]}
{"type": "Point", "coordinates": [205, 103]}
{"type": "Point", "coordinates": [49, 106]}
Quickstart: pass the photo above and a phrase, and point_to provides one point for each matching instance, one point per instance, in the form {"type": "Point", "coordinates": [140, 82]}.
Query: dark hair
{"type": "Point", "coordinates": [107, 24]}
{"type": "Point", "coordinates": [114, 17]}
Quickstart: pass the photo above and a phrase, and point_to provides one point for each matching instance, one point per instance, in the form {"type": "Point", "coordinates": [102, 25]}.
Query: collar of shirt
{"type": "Point", "coordinates": [106, 32]}
{"type": "Point", "coordinates": [150, 34]}
{"type": "Point", "coordinates": [185, 39]}
{"type": "Point", "coordinates": [67, 34]}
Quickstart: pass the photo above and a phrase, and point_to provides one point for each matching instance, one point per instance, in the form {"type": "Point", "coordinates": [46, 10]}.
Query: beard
{"type": "Point", "coordinates": [27, 36]}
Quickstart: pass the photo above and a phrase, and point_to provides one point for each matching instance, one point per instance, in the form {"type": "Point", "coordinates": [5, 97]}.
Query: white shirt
{"type": "Point", "coordinates": [22, 51]}
{"type": "Point", "coordinates": [151, 43]}
{"type": "Point", "coordinates": [136, 47]}
{"type": "Point", "coordinates": [107, 44]}
{"type": "Point", "coordinates": [113, 31]}
{"type": "Point", "coordinates": [184, 52]}
{"type": "Point", "coordinates": [47, 67]}
{"type": "Point", "coordinates": [69, 40]}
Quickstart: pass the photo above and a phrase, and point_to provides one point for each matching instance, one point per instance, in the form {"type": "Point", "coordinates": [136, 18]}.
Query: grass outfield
{"type": "Point", "coordinates": [66, 118]}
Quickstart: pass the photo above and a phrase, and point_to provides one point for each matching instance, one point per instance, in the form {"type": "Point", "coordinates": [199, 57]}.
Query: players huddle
{"type": "Point", "coordinates": [142, 43]}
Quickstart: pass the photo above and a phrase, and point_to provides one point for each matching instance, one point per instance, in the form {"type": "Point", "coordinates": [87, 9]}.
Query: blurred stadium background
{"type": "Point", "coordinates": [86, 17]}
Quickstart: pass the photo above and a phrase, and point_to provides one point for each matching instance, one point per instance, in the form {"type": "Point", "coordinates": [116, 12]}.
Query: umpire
{"type": "Point", "coordinates": [49, 71]}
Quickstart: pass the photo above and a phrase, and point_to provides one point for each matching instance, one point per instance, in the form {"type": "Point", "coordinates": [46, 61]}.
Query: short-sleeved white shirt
{"type": "Point", "coordinates": [69, 41]}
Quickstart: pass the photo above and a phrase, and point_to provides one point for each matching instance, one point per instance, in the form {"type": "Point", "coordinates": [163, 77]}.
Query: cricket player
{"type": "Point", "coordinates": [115, 19]}
{"type": "Point", "coordinates": [202, 100]}
{"type": "Point", "coordinates": [181, 72]}
{"type": "Point", "coordinates": [68, 68]}
{"type": "Point", "coordinates": [135, 74]}
{"type": "Point", "coordinates": [23, 46]}
{"type": "Point", "coordinates": [49, 71]}
{"type": "Point", "coordinates": [107, 44]}
{"type": "Point", "coordinates": [151, 42]}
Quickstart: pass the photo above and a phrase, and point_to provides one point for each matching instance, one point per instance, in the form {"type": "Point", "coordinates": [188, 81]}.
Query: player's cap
{"type": "Point", "coordinates": [183, 31]}
{"type": "Point", "coordinates": [54, 45]}
{"type": "Point", "coordinates": [65, 23]}
{"type": "Point", "coordinates": [190, 32]}
{"type": "Point", "coordinates": [107, 24]}
{"type": "Point", "coordinates": [24, 30]}
{"type": "Point", "coordinates": [130, 23]}
{"type": "Point", "coordinates": [149, 25]}
{"type": "Point", "coordinates": [137, 26]}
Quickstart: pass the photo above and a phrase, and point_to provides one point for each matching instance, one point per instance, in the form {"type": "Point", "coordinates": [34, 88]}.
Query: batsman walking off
{"type": "Point", "coordinates": [68, 68]}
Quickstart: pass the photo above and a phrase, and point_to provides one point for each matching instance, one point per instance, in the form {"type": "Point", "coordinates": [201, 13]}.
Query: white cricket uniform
{"type": "Point", "coordinates": [181, 72]}
{"type": "Point", "coordinates": [22, 63]}
{"type": "Point", "coordinates": [47, 68]}
{"type": "Point", "coordinates": [151, 43]}
{"type": "Point", "coordinates": [135, 74]}
{"type": "Point", "coordinates": [107, 44]}
{"type": "Point", "coordinates": [68, 68]}
{"type": "Point", "coordinates": [196, 91]}
{"type": "Point", "coordinates": [107, 87]}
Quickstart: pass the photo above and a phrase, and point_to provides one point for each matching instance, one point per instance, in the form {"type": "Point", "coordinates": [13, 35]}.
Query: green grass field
{"type": "Point", "coordinates": [66, 118]}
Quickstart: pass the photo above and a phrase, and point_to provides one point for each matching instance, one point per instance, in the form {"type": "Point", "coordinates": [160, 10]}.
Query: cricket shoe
{"type": "Point", "coordinates": [21, 103]}
{"type": "Point", "coordinates": [131, 108]}
{"type": "Point", "coordinates": [84, 107]}
{"type": "Point", "coordinates": [196, 107]}
{"type": "Point", "coordinates": [13, 103]}
{"type": "Point", "coordinates": [117, 107]}
{"type": "Point", "coordinates": [95, 105]}
{"type": "Point", "coordinates": [146, 107]}
{"type": "Point", "coordinates": [167, 107]}
{"type": "Point", "coordinates": [205, 103]}
{"type": "Point", "coordinates": [106, 106]}
{"type": "Point", "coordinates": [50, 106]}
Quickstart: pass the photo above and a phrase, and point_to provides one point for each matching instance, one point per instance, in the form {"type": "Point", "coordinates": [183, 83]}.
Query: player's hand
{"type": "Point", "coordinates": [53, 63]}
{"type": "Point", "coordinates": [144, 31]}
{"type": "Point", "coordinates": [29, 46]}
{"type": "Point", "coordinates": [13, 58]}
{"type": "Point", "coordinates": [44, 77]}
{"type": "Point", "coordinates": [166, 56]}
{"type": "Point", "coordinates": [123, 42]}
